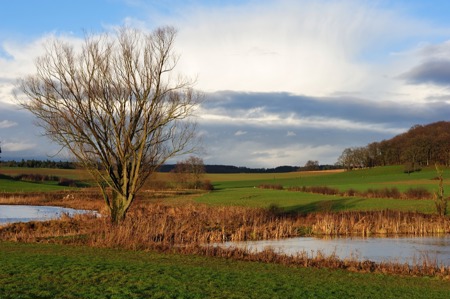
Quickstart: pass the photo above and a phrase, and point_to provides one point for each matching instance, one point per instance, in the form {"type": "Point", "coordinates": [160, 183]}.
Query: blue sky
{"type": "Point", "coordinates": [285, 81]}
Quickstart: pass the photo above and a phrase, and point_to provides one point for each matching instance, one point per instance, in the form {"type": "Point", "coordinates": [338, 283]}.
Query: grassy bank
{"type": "Point", "coordinates": [55, 271]}
{"type": "Point", "coordinates": [169, 221]}
{"type": "Point", "coordinates": [242, 190]}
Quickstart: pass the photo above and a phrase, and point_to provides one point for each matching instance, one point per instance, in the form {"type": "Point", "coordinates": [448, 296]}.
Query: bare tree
{"type": "Point", "coordinates": [440, 200]}
{"type": "Point", "coordinates": [116, 105]}
{"type": "Point", "coordinates": [311, 165]}
{"type": "Point", "coordinates": [190, 171]}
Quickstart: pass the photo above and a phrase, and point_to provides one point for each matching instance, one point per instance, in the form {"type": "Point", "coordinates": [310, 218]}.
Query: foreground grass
{"type": "Point", "coordinates": [54, 271]}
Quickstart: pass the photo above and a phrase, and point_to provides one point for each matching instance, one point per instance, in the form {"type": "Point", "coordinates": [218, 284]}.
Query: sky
{"type": "Point", "coordinates": [284, 81]}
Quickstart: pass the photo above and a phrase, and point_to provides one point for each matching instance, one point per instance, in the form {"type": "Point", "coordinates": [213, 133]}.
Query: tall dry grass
{"type": "Point", "coordinates": [86, 198]}
{"type": "Point", "coordinates": [188, 227]}
{"type": "Point", "coordinates": [378, 222]}
{"type": "Point", "coordinates": [189, 223]}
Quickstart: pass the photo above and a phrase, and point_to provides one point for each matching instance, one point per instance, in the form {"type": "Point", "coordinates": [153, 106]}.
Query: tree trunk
{"type": "Point", "coordinates": [117, 215]}
{"type": "Point", "coordinates": [118, 206]}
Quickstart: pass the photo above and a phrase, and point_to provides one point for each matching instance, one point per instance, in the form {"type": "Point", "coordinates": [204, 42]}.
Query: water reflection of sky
{"type": "Point", "coordinates": [397, 249]}
{"type": "Point", "coordinates": [20, 213]}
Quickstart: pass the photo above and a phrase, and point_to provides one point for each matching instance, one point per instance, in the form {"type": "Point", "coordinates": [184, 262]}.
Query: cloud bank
{"type": "Point", "coordinates": [271, 129]}
{"type": "Point", "coordinates": [285, 81]}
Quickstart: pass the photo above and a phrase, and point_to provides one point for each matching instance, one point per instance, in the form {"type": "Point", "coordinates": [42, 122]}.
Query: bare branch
{"type": "Point", "coordinates": [115, 105]}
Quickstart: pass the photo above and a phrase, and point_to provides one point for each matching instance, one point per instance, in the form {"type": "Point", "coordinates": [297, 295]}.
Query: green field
{"type": "Point", "coordinates": [241, 189]}
{"type": "Point", "coordinates": [8, 184]}
{"type": "Point", "coordinates": [378, 177]}
{"type": "Point", "coordinates": [55, 271]}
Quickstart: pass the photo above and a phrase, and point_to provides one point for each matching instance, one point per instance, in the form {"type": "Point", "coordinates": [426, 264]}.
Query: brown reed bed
{"type": "Point", "coordinates": [86, 198]}
{"type": "Point", "coordinates": [189, 223]}
{"type": "Point", "coordinates": [186, 228]}
{"type": "Point", "coordinates": [138, 234]}
{"type": "Point", "coordinates": [385, 222]}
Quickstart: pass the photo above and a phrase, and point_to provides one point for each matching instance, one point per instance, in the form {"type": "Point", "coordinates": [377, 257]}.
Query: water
{"type": "Point", "coordinates": [409, 250]}
{"type": "Point", "coordinates": [24, 213]}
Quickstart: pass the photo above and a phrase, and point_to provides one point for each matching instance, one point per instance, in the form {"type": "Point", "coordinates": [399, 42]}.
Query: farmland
{"type": "Point", "coordinates": [149, 264]}
{"type": "Point", "coordinates": [242, 190]}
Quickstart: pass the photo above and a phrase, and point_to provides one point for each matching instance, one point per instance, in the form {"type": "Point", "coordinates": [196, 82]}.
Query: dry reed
{"type": "Point", "coordinates": [186, 228]}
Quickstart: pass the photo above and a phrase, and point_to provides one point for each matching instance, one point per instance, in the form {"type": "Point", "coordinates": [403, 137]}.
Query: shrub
{"type": "Point", "coordinates": [67, 182]}
{"type": "Point", "coordinates": [323, 190]}
{"type": "Point", "coordinates": [271, 186]}
{"type": "Point", "coordinates": [440, 200]}
{"type": "Point", "coordinates": [417, 193]}
{"type": "Point", "coordinates": [350, 192]}
{"type": "Point", "coordinates": [35, 178]}
{"type": "Point", "coordinates": [207, 185]}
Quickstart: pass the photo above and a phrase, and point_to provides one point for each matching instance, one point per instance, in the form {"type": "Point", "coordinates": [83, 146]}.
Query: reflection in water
{"type": "Point", "coordinates": [409, 250]}
{"type": "Point", "coordinates": [21, 213]}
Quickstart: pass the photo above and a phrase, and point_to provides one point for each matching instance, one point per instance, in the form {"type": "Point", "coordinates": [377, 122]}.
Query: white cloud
{"type": "Point", "coordinates": [254, 154]}
{"type": "Point", "coordinates": [291, 155]}
{"type": "Point", "coordinates": [296, 121]}
{"type": "Point", "coordinates": [305, 47]}
{"type": "Point", "coordinates": [290, 134]}
{"type": "Point", "coordinates": [19, 60]}
{"type": "Point", "coordinates": [239, 133]}
{"type": "Point", "coordinates": [17, 146]}
{"type": "Point", "coordinates": [4, 124]}
{"type": "Point", "coordinates": [315, 48]}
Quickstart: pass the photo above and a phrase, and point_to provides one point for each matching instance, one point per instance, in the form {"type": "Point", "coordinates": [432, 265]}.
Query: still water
{"type": "Point", "coordinates": [23, 213]}
{"type": "Point", "coordinates": [409, 250]}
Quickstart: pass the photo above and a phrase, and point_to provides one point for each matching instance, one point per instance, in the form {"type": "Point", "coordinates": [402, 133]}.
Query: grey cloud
{"type": "Point", "coordinates": [23, 140]}
{"type": "Point", "coordinates": [388, 113]}
{"type": "Point", "coordinates": [432, 71]}
{"type": "Point", "coordinates": [266, 144]}
{"type": "Point", "coordinates": [269, 145]}
{"type": "Point", "coordinates": [435, 51]}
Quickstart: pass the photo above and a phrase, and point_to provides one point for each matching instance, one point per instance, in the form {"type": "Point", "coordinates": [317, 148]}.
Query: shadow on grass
{"type": "Point", "coordinates": [64, 182]}
{"type": "Point", "coordinates": [334, 205]}
{"type": "Point", "coordinates": [6, 177]}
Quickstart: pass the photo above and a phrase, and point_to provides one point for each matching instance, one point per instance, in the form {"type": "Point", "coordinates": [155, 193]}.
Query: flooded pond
{"type": "Point", "coordinates": [409, 250]}
{"type": "Point", "coordinates": [24, 213]}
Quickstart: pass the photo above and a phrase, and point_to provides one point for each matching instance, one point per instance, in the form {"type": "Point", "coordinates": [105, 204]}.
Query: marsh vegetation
{"type": "Point", "coordinates": [168, 219]}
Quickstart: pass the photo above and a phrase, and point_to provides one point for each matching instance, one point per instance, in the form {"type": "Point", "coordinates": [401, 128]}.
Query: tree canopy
{"type": "Point", "coordinates": [421, 145]}
{"type": "Point", "coordinates": [116, 104]}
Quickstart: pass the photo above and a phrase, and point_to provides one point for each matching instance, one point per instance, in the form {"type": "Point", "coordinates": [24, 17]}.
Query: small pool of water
{"type": "Point", "coordinates": [409, 250]}
{"type": "Point", "coordinates": [24, 213]}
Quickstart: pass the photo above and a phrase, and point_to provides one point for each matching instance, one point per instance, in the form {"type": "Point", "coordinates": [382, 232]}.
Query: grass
{"type": "Point", "coordinates": [7, 184]}
{"type": "Point", "coordinates": [55, 271]}
{"type": "Point", "coordinates": [241, 189]}
{"type": "Point", "coordinates": [357, 179]}
{"type": "Point", "coordinates": [306, 202]}
{"type": "Point", "coordinates": [135, 270]}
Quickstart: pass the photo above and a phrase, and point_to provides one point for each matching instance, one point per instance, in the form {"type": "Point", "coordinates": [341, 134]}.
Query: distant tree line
{"type": "Point", "coordinates": [234, 169]}
{"type": "Point", "coordinates": [39, 164]}
{"type": "Point", "coordinates": [310, 165]}
{"type": "Point", "coordinates": [242, 169]}
{"type": "Point", "coordinates": [422, 145]}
